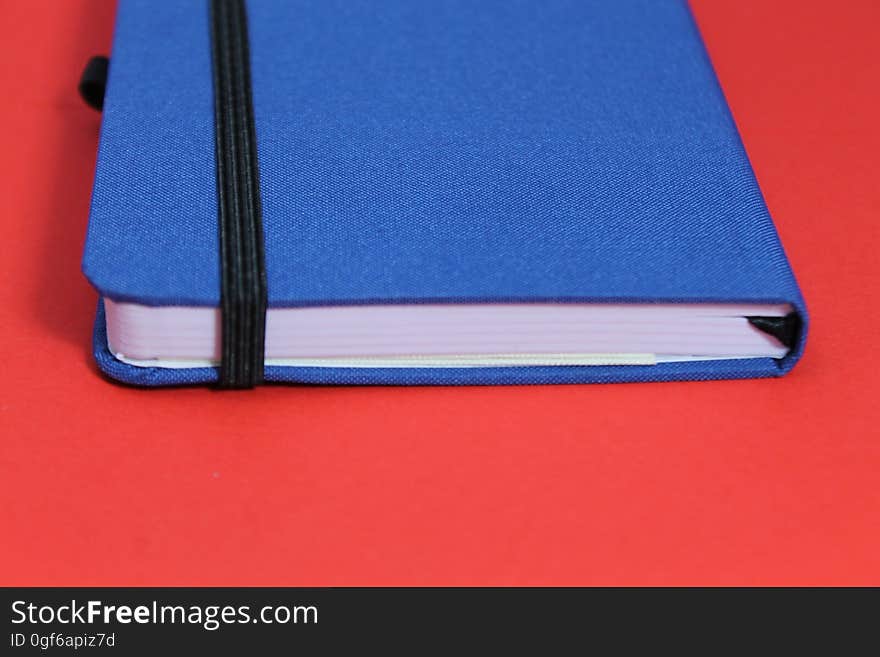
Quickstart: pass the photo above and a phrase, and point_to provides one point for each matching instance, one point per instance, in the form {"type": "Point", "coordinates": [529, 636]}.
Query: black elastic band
{"type": "Point", "coordinates": [242, 262]}
{"type": "Point", "coordinates": [93, 81]}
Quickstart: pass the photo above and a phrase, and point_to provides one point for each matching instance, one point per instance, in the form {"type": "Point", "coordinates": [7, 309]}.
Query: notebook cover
{"type": "Point", "coordinates": [442, 151]}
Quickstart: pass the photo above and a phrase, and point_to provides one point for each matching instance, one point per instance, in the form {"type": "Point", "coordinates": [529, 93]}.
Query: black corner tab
{"type": "Point", "coordinates": [93, 82]}
{"type": "Point", "coordinates": [785, 329]}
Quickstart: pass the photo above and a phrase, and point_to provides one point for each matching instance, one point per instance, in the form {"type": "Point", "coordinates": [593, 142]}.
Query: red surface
{"type": "Point", "coordinates": [739, 482]}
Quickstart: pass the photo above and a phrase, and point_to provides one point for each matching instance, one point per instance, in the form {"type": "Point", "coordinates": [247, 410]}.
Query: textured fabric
{"type": "Point", "coordinates": [444, 150]}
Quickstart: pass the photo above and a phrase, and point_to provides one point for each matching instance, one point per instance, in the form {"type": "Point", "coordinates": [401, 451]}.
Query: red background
{"type": "Point", "coordinates": [732, 482]}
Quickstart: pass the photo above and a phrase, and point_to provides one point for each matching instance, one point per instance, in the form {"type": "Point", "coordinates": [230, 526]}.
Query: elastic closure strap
{"type": "Point", "coordinates": [242, 260]}
{"type": "Point", "coordinates": [93, 82]}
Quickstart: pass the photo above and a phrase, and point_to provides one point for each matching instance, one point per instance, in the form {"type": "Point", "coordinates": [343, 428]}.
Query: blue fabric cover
{"type": "Point", "coordinates": [438, 151]}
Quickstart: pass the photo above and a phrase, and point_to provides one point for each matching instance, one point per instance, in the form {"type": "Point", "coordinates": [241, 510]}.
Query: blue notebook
{"type": "Point", "coordinates": [453, 192]}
